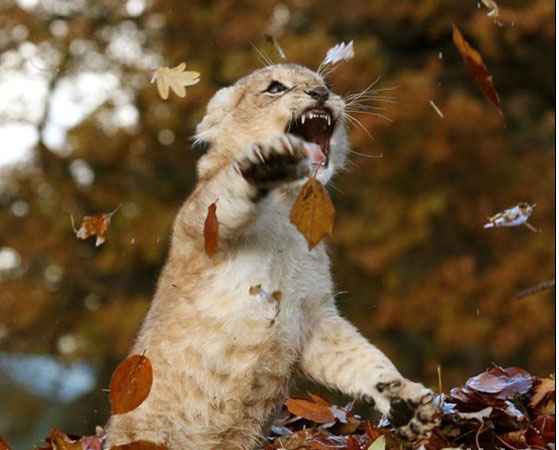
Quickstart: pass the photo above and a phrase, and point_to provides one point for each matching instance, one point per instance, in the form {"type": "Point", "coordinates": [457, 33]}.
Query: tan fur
{"type": "Point", "coordinates": [223, 358]}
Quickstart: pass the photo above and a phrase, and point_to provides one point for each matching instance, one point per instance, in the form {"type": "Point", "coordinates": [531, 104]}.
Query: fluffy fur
{"type": "Point", "coordinates": [223, 358]}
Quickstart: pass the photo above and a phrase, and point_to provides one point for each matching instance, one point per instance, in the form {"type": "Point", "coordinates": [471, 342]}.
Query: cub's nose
{"type": "Point", "coordinates": [319, 93]}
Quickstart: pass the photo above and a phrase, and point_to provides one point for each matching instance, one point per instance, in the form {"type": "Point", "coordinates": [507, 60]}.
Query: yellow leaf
{"type": "Point", "coordinates": [175, 78]}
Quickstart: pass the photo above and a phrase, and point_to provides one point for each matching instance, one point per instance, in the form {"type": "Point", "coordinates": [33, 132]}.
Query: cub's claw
{"type": "Point", "coordinates": [411, 408]}
{"type": "Point", "coordinates": [282, 160]}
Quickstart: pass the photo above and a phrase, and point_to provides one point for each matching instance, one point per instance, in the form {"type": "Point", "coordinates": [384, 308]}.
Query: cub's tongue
{"type": "Point", "coordinates": [316, 156]}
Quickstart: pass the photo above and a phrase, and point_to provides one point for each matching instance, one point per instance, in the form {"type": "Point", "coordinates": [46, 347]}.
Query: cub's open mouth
{"type": "Point", "coordinates": [315, 125]}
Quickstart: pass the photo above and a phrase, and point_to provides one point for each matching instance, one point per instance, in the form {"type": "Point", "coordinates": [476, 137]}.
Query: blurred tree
{"type": "Point", "coordinates": [423, 278]}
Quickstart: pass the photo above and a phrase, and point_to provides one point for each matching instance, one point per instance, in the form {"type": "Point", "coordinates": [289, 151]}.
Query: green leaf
{"type": "Point", "coordinates": [379, 444]}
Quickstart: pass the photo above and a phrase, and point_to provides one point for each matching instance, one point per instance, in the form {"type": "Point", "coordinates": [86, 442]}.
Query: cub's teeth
{"type": "Point", "coordinates": [329, 119]}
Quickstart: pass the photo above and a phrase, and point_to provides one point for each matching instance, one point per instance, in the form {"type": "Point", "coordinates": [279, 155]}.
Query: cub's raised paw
{"type": "Point", "coordinates": [412, 408]}
{"type": "Point", "coordinates": [284, 159]}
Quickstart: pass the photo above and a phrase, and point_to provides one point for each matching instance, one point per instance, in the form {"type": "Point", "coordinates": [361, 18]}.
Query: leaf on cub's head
{"type": "Point", "coordinates": [96, 225]}
{"type": "Point", "coordinates": [211, 230]}
{"type": "Point", "coordinates": [313, 212]}
{"type": "Point", "coordinates": [139, 445]}
{"type": "Point", "coordinates": [474, 63]}
{"type": "Point", "coordinates": [175, 78]}
{"type": "Point", "coordinates": [130, 384]}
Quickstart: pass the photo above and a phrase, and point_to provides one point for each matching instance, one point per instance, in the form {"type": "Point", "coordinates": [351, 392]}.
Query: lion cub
{"type": "Point", "coordinates": [223, 358]}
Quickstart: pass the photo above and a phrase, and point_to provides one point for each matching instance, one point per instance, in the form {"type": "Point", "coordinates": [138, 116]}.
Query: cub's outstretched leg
{"type": "Point", "coordinates": [336, 355]}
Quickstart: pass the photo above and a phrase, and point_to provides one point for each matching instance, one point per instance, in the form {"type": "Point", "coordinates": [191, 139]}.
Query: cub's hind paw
{"type": "Point", "coordinates": [282, 160]}
{"type": "Point", "coordinates": [412, 411]}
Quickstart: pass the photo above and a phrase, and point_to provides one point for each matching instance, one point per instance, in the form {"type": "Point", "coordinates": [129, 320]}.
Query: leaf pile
{"type": "Point", "coordinates": [499, 408]}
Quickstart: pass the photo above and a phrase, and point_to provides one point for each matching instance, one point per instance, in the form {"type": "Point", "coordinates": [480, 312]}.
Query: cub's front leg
{"type": "Point", "coordinates": [338, 356]}
{"type": "Point", "coordinates": [239, 186]}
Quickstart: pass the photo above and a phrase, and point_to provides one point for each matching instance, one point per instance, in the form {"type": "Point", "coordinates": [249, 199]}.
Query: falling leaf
{"type": "Point", "coordinates": [175, 78]}
{"type": "Point", "coordinates": [211, 230]}
{"type": "Point", "coordinates": [436, 108]}
{"type": "Point", "coordinates": [96, 225]}
{"type": "Point", "coordinates": [60, 441]}
{"type": "Point", "coordinates": [272, 39]}
{"type": "Point", "coordinates": [139, 445]}
{"type": "Point", "coordinates": [130, 384]}
{"type": "Point", "coordinates": [313, 212]}
{"type": "Point", "coordinates": [316, 412]}
{"type": "Point", "coordinates": [512, 217]}
{"type": "Point", "coordinates": [474, 62]}
{"type": "Point", "coordinates": [3, 444]}
{"type": "Point", "coordinates": [494, 13]}
{"type": "Point", "coordinates": [379, 444]}
{"type": "Point", "coordinates": [339, 52]}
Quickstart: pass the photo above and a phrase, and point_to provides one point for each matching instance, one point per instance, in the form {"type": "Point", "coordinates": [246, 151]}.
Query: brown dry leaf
{"type": "Point", "coordinates": [175, 78]}
{"type": "Point", "coordinates": [130, 384]}
{"type": "Point", "coordinates": [319, 399]}
{"type": "Point", "coordinates": [313, 212]}
{"type": "Point", "coordinates": [60, 441]}
{"type": "Point", "coordinates": [372, 431]}
{"type": "Point", "coordinates": [474, 62]}
{"type": "Point", "coordinates": [139, 445]}
{"type": "Point", "coordinates": [211, 230]}
{"type": "Point", "coordinates": [317, 412]}
{"type": "Point", "coordinates": [543, 398]}
{"type": "Point", "coordinates": [96, 225]}
{"type": "Point", "coordinates": [542, 430]}
{"type": "Point", "coordinates": [352, 443]}
{"type": "Point", "coordinates": [3, 444]}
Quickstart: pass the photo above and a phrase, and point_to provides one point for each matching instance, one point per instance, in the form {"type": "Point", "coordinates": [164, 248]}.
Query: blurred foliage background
{"type": "Point", "coordinates": [415, 269]}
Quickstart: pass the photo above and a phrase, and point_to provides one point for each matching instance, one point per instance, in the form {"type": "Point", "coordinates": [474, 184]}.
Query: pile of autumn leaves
{"type": "Point", "coordinates": [499, 408]}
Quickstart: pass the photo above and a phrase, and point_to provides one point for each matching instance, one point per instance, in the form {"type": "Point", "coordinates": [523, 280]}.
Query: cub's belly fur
{"type": "Point", "coordinates": [222, 358]}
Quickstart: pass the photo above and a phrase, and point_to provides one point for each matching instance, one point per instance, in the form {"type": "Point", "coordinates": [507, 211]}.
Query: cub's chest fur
{"type": "Point", "coordinates": [223, 355]}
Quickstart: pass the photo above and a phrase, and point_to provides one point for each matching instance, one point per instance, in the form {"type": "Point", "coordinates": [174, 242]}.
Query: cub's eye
{"type": "Point", "coordinates": [276, 87]}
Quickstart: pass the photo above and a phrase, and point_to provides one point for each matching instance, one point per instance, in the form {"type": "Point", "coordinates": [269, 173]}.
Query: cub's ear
{"type": "Point", "coordinates": [221, 104]}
